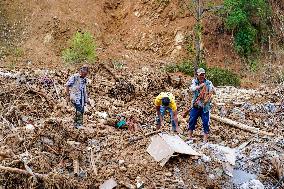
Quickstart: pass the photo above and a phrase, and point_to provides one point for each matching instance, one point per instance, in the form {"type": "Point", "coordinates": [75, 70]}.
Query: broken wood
{"type": "Point", "coordinates": [108, 70]}
{"type": "Point", "coordinates": [4, 155]}
{"type": "Point", "coordinates": [42, 94]}
{"type": "Point", "coordinates": [141, 137]}
{"type": "Point", "coordinates": [21, 171]}
{"type": "Point", "coordinates": [76, 166]}
{"type": "Point", "coordinates": [240, 125]}
{"type": "Point", "coordinates": [56, 90]}
{"type": "Point", "coordinates": [93, 162]}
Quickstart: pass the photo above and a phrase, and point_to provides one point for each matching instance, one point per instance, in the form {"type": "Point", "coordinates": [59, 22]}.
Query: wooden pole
{"type": "Point", "coordinates": [239, 125]}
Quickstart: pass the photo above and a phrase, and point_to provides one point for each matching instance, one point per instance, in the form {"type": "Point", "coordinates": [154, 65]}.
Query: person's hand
{"type": "Point", "coordinates": [201, 85]}
{"type": "Point", "coordinates": [184, 113]}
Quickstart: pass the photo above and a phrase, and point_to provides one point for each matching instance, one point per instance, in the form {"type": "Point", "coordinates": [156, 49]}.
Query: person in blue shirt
{"type": "Point", "coordinates": [203, 90]}
{"type": "Point", "coordinates": [76, 92]}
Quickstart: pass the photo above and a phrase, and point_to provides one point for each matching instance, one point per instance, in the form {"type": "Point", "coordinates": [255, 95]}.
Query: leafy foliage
{"type": "Point", "coordinates": [184, 67]}
{"type": "Point", "coordinates": [218, 76]}
{"type": "Point", "coordinates": [222, 77]}
{"type": "Point", "coordinates": [82, 48]}
{"type": "Point", "coordinates": [249, 20]}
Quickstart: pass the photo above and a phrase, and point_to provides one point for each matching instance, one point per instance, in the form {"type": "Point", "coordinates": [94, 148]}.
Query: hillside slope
{"type": "Point", "coordinates": [133, 32]}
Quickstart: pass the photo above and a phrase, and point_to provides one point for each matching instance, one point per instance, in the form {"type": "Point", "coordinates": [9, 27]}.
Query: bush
{"type": "Point", "coordinates": [184, 67]}
{"type": "Point", "coordinates": [218, 76]}
{"type": "Point", "coordinates": [222, 77]}
{"type": "Point", "coordinates": [82, 48]}
{"type": "Point", "coordinates": [245, 41]}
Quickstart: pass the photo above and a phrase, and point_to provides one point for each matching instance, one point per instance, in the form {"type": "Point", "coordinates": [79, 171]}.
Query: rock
{"type": "Point", "coordinates": [205, 158]}
{"type": "Point", "coordinates": [123, 168]}
{"type": "Point", "coordinates": [120, 162]}
{"type": "Point", "coordinates": [139, 183]}
{"type": "Point", "coordinates": [102, 115]}
{"type": "Point", "coordinates": [218, 172]}
{"type": "Point", "coordinates": [46, 140]}
{"type": "Point", "coordinates": [168, 174]}
{"type": "Point", "coordinates": [211, 176]}
{"type": "Point", "coordinates": [48, 38]}
{"type": "Point", "coordinates": [109, 184]}
{"type": "Point", "coordinates": [30, 128]}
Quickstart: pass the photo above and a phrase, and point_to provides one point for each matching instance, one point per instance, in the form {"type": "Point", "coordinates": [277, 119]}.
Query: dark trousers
{"type": "Point", "coordinates": [79, 112]}
{"type": "Point", "coordinates": [205, 117]}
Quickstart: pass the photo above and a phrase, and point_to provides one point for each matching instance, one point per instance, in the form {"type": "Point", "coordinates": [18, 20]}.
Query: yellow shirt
{"type": "Point", "coordinates": [172, 105]}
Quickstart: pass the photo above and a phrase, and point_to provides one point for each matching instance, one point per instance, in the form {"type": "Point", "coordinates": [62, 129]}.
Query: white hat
{"type": "Point", "coordinates": [200, 71]}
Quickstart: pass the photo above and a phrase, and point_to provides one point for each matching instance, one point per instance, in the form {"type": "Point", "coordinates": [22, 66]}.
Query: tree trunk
{"type": "Point", "coordinates": [197, 36]}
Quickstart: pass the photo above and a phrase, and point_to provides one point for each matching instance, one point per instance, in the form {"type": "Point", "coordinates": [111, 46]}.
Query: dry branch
{"type": "Point", "coordinates": [110, 72]}
{"type": "Point", "coordinates": [21, 171]}
{"type": "Point", "coordinates": [141, 137]}
{"type": "Point", "coordinates": [76, 166]}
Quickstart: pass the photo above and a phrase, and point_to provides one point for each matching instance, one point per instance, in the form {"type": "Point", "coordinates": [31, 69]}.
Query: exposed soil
{"type": "Point", "coordinates": [36, 129]}
{"type": "Point", "coordinates": [138, 32]}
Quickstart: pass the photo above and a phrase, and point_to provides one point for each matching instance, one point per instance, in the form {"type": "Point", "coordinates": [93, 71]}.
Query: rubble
{"type": "Point", "coordinates": [40, 148]}
{"type": "Point", "coordinates": [253, 184]}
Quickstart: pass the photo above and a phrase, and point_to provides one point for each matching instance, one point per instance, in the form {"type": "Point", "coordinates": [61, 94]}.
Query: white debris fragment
{"type": "Point", "coordinates": [102, 115]}
{"type": "Point", "coordinates": [108, 184]}
{"type": "Point", "coordinates": [163, 146]}
{"type": "Point", "coordinates": [252, 184]}
{"type": "Point", "coordinates": [30, 127]}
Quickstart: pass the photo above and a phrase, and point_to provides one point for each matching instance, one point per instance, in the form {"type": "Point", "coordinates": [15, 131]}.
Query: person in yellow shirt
{"type": "Point", "coordinates": [165, 101]}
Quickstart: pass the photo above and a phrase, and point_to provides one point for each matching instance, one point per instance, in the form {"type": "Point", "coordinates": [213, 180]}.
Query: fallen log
{"type": "Point", "coordinates": [239, 125]}
{"type": "Point", "coordinates": [21, 171]}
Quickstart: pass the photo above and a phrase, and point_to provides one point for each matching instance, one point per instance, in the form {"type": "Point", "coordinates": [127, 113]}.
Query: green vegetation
{"type": "Point", "coordinates": [218, 76]}
{"type": "Point", "coordinates": [279, 77]}
{"type": "Point", "coordinates": [184, 67]}
{"type": "Point", "coordinates": [82, 48]}
{"type": "Point", "coordinates": [117, 64]}
{"type": "Point", "coordinates": [222, 77]}
{"type": "Point", "coordinates": [249, 22]}
{"type": "Point", "coordinates": [254, 65]}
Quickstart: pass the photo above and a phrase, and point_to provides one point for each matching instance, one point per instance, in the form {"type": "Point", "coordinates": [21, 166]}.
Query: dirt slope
{"type": "Point", "coordinates": [130, 30]}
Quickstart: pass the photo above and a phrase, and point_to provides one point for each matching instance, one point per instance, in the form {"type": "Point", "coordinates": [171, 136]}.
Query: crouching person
{"type": "Point", "coordinates": [165, 101]}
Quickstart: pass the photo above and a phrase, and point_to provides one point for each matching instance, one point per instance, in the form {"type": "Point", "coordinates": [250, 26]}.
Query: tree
{"type": "Point", "coordinates": [198, 8]}
{"type": "Point", "coordinates": [249, 22]}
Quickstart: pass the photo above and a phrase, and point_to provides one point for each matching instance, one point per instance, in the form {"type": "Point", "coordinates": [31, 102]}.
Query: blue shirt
{"type": "Point", "coordinates": [78, 91]}
{"type": "Point", "coordinates": [196, 92]}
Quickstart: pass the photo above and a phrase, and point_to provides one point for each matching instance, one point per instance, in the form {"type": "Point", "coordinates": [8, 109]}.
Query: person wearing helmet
{"type": "Point", "coordinates": [165, 101]}
{"type": "Point", "coordinates": [203, 90]}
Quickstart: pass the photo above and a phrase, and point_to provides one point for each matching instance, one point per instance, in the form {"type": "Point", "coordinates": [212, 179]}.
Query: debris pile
{"type": "Point", "coordinates": [40, 147]}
